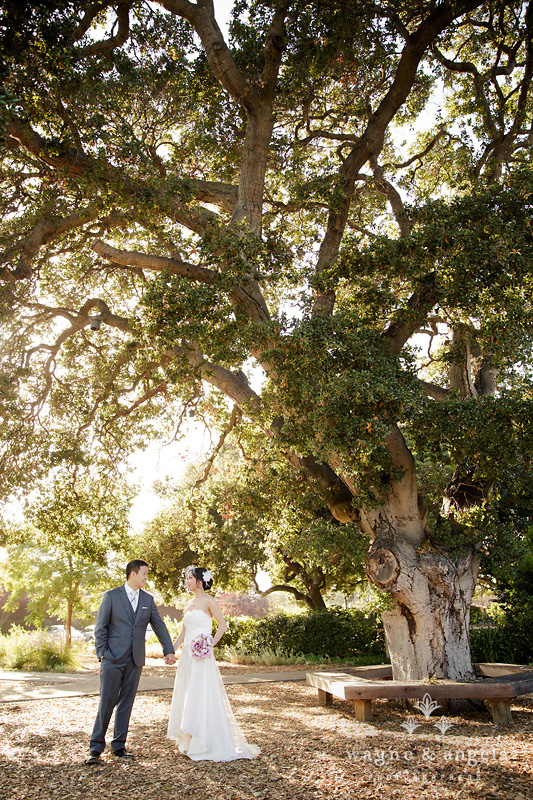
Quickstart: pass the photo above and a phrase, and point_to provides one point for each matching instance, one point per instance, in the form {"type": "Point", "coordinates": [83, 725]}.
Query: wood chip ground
{"type": "Point", "coordinates": [308, 751]}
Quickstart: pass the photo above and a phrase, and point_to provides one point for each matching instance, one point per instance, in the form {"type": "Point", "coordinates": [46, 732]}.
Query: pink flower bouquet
{"type": "Point", "coordinates": [202, 646]}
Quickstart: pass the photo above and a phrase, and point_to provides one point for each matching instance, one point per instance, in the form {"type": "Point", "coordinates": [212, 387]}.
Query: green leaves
{"type": "Point", "coordinates": [338, 391]}
{"type": "Point", "coordinates": [64, 554]}
{"type": "Point", "coordinates": [480, 249]}
{"type": "Point", "coordinates": [133, 142]}
{"type": "Point", "coordinates": [487, 435]}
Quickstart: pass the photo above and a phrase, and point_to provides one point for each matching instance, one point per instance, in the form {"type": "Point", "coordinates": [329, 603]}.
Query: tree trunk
{"type": "Point", "coordinates": [316, 596]}
{"type": "Point", "coordinates": [427, 625]}
{"type": "Point", "coordinates": [68, 624]}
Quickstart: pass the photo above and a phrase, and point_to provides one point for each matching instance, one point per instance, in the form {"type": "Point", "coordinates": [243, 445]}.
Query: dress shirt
{"type": "Point", "coordinates": [133, 596]}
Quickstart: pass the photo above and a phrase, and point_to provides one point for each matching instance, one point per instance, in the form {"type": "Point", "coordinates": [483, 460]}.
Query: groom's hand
{"type": "Point", "coordinates": [170, 658]}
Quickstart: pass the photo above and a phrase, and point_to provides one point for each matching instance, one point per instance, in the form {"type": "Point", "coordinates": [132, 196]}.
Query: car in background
{"type": "Point", "coordinates": [88, 633]}
{"type": "Point", "coordinates": [59, 630]}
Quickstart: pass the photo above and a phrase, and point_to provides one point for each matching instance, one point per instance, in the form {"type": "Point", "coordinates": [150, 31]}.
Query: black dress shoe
{"type": "Point", "coordinates": [94, 758]}
{"type": "Point", "coordinates": [123, 754]}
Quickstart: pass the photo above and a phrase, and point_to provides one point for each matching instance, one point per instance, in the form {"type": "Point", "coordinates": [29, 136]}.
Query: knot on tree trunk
{"type": "Point", "coordinates": [382, 567]}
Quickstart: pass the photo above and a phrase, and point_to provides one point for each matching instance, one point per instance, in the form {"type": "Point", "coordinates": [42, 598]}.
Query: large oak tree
{"type": "Point", "coordinates": [307, 195]}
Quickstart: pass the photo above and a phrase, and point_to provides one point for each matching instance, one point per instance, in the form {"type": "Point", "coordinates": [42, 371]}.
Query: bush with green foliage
{"type": "Point", "coordinates": [333, 633]}
{"type": "Point", "coordinates": [511, 640]}
{"type": "Point", "coordinates": [492, 645]}
{"type": "Point", "coordinates": [36, 651]}
{"type": "Point", "coordinates": [237, 627]}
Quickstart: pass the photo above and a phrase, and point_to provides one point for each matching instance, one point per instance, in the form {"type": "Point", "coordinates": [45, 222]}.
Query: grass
{"type": "Point", "coordinates": [278, 657]}
{"type": "Point", "coordinates": [36, 651]}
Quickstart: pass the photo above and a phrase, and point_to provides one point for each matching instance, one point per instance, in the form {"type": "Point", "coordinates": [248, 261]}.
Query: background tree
{"type": "Point", "coordinates": [213, 204]}
{"type": "Point", "coordinates": [245, 514]}
{"type": "Point", "coordinates": [69, 549]}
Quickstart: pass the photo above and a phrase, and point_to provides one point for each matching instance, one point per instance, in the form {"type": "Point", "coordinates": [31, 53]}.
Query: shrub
{"type": "Point", "coordinates": [36, 651]}
{"type": "Point", "coordinates": [516, 631]}
{"type": "Point", "coordinates": [328, 633]}
{"type": "Point", "coordinates": [491, 645]}
{"type": "Point", "coordinates": [238, 628]}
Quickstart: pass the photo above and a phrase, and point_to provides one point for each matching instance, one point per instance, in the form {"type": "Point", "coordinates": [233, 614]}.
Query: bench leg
{"type": "Point", "coordinates": [325, 698]}
{"type": "Point", "coordinates": [501, 711]}
{"type": "Point", "coordinates": [363, 710]}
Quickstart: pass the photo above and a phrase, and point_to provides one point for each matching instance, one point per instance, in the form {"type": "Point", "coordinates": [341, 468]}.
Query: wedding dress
{"type": "Point", "coordinates": [201, 719]}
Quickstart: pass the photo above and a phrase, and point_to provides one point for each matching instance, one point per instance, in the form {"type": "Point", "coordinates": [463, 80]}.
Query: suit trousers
{"type": "Point", "coordinates": [118, 686]}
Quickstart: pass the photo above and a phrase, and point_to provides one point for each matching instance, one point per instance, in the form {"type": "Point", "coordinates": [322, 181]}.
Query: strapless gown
{"type": "Point", "coordinates": [201, 720]}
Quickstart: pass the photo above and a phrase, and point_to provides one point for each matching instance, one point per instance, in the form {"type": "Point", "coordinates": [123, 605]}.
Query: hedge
{"type": "Point", "coordinates": [331, 632]}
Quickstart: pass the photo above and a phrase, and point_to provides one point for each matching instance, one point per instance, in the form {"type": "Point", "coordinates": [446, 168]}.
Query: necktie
{"type": "Point", "coordinates": [134, 596]}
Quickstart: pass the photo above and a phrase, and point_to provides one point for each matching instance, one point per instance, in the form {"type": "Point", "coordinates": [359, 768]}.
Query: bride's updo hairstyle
{"type": "Point", "coordinates": [201, 574]}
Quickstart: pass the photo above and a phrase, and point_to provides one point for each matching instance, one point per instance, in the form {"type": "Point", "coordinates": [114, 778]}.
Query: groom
{"type": "Point", "coordinates": [120, 634]}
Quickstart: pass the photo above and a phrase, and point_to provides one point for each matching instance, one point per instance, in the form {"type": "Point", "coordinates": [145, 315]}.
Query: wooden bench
{"type": "Point", "coordinates": [497, 684]}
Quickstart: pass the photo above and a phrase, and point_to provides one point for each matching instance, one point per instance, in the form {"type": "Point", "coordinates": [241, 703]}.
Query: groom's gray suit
{"type": "Point", "coordinates": [119, 636]}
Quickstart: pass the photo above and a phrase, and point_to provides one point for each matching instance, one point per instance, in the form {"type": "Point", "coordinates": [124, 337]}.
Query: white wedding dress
{"type": "Point", "coordinates": [201, 719]}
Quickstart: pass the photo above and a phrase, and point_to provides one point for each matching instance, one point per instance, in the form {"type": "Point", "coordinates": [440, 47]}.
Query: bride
{"type": "Point", "coordinates": [201, 720]}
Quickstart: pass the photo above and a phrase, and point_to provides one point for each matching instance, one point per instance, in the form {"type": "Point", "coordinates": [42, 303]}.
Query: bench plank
{"type": "Point", "coordinates": [498, 692]}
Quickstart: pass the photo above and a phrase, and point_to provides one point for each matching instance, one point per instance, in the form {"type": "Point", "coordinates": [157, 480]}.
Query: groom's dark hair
{"type": "Point", "coordinates": [135, 565]}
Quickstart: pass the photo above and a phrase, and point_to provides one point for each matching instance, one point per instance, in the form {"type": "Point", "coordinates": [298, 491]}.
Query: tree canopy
{"type": "Point", "coordinates": [67, 549]}
{"type": "Point", "coordinates": [304, 197]}
{"type": "Point", "coordinates": [247, 514]}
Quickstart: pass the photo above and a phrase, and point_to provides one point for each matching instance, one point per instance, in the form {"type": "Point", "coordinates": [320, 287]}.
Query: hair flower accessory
{"type": "Point", "coordinates": [206, 575]}
{"type": "Point", "coordinates": [202, 646]}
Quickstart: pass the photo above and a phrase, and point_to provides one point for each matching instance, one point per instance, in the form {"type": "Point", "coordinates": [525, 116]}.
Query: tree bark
{"type": "Point", "coordinates": [427, 626]}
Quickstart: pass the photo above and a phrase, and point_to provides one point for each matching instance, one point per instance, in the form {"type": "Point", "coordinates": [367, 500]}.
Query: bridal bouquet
{"type": "Point", "coordinates": [202, 646]}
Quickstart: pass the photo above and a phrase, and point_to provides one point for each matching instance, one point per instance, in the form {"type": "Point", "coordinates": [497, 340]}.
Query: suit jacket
{"type": "Point", "coordinates": [119, 632]}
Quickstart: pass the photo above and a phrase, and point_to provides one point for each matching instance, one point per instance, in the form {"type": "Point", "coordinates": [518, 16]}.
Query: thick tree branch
{"type": "Point", "coordinates": [75, 163]}
{"type": "Point", "coordinates": [393, 196]}
{"type": "Point", "coordinates": [256, 99]}
{"type": "Point", "coordinates": [232, 384]}
{"type": "Point", "coordinates": [434, 391]}
{"type": "Point", "coordinates": [88, 18]}
{"type": "Point", "coordinates": [337, 494]}
{"type": "Point", "coordinates": [371, 141]}
{"type": "Point", "coordinates": [320, 134]}
{"type": "Point", "coordinates": [44, 232]}
{"type": "Point", "coordinates": [20, 134]}
{"type": "Point", "coordinates": [281, 587]}
{"type": "Point", "coordinates": [244, 298]}
{"type": "Point", "coordinates": [273, 50]}
{"type": "Point", "coordinates": [123, 17]}
{"type": "Point", "coordinates": [504, 147]}
{"type": "Point", "coordinates": [410, 319]}
{"type": "Point", "coordinates": [202, 18]}
{"type": "Point", "coordinates": [224, 195]}
{"type": "Point", "coordinates": [105, 315]}
{"type": "Point", "coordinates": [467, 67]}
{"type": "Point", "coordinates": [145, 261]}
